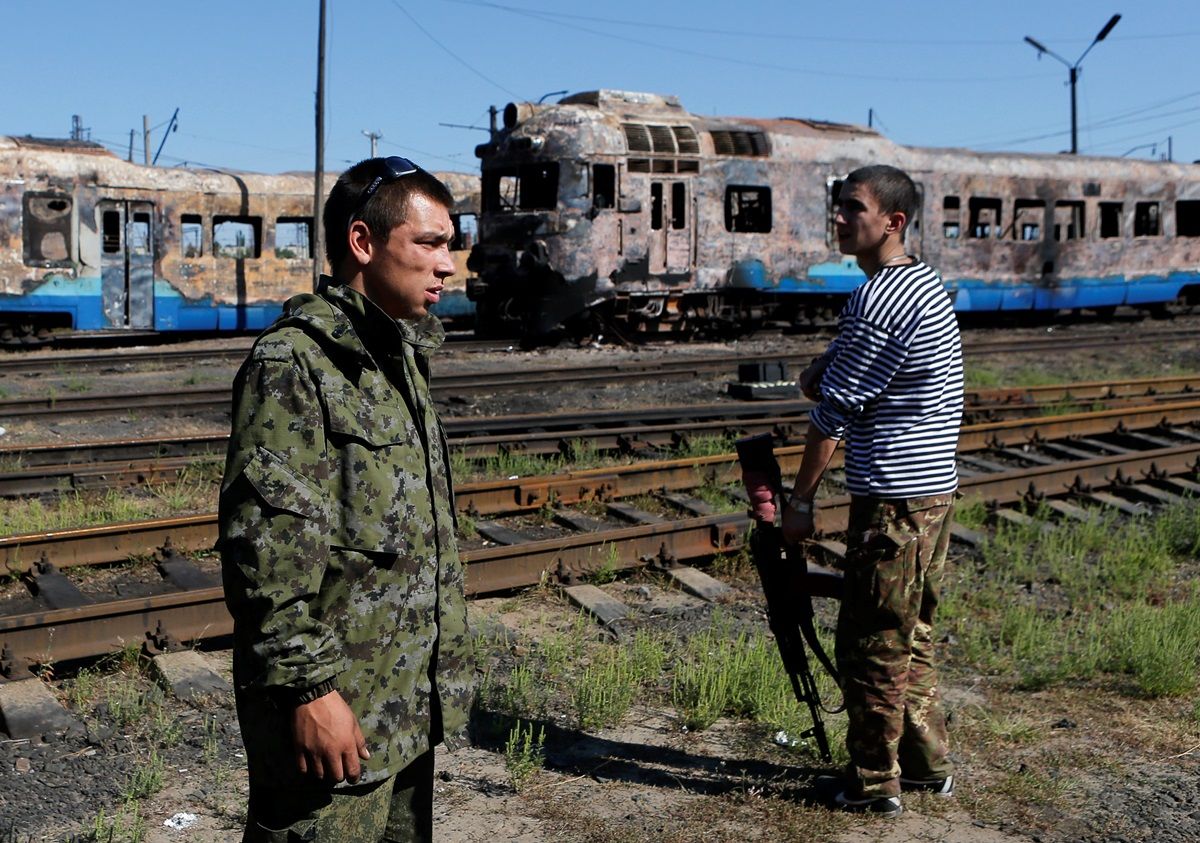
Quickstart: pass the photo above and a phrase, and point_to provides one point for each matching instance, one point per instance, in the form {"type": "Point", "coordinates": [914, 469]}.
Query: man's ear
{"type": "Point", "coordinates": [896, 221]}
{"type": "Point", "coordinates": [361, 245]}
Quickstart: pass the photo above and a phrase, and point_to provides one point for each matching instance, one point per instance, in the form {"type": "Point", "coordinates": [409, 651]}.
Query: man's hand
{"type": "Point", "coordinates": [762, 496]}
{"type": "Point", "coordinates": [797, 526]}
{"type": "Point", "coordinates": [328, 741]}
{"type": "Point", "coordinates": [810, 378]}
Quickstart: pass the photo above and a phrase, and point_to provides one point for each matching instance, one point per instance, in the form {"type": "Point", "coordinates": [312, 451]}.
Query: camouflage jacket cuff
{"type": "Point", "coordinates": [292, 697]}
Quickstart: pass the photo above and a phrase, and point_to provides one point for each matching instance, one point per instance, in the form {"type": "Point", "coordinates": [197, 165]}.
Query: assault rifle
{"type": "Point", "coordinates": [789, 583]}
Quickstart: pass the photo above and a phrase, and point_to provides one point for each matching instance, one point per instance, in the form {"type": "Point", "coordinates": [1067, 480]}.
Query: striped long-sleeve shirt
{"type": "Point", "coordinates": [894, 385]}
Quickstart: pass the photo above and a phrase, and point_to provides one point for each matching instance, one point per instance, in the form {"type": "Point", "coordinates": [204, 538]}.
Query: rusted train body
{"type": "Point", "coordinates": [627, 207]}
{"type": "Point", "coordinates": [91, 242]}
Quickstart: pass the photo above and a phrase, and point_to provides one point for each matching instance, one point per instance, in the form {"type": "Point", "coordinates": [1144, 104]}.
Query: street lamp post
{"type": "Point", "coordinates": [1074, 70]}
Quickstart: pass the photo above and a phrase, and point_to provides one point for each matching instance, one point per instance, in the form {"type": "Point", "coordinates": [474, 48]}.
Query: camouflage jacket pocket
{"type": "Point", "coordinates": [379, 471]}
{"type": "Point", "coordinates": [282, 488]}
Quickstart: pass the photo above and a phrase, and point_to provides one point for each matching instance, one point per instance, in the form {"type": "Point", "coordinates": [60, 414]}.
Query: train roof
{"type": "Point", "coordinates": [599, 117]}
{"type": "Point", "coordinates": [56, 161]}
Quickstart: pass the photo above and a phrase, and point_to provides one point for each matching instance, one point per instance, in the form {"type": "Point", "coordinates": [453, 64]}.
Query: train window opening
{"type": "Point", "coordinates": [139, 234]}
{"type": "Point", "coordinates": [529, 187]}
{"type": "Point", "coordinates": [1187, 218]}
{"type": "Point", "coordinates": [686, 140]}
{"type": "Point", "coordinates": [656, 206]}
{"type": "Point", "coordinates": [637, 138]}
{"type": "Point", "coordinates": [293, 237]}
{"type": "Point", "coordinates": [678, 205]}
{"type": "Point", "coordinates": [1146, 222]}
{"type": "Point", "coordinates": [662, 165]}
{"type": "Point", "coordinates": [985, 217]}
{"type": "Point", "coordinates": [604, 186]}
{"type": "Point", "coordinates": [1068, 220]}
{"type": "Point", "coordinates": [539, 186]}
{"type": "Point", "coordinates": [1027, 219]}
{"type": "Point", "coordinates": [46, 229]}
{"type": "Point", "coordinates": [237, 237]}
{"type": "Point", "coordinates": [466, 231]}
{"type": "Point", "coordinates": [748, 209]}
{"type": "Point", "coordinates": [1110, 220]}
{"type": "Point", "coordinates": [687, 166]}
{"type": "Point", "coordinates": [833, 191]}
{"type": "Point", "coordinates": [951, 222]}
{"type": "Point", "coordinates": [639, 165]}
{"type": "Point", "coordinates": [739, 143]}
{"type": "Point", "coordinates": [662, 139]}
{"type": "Point", "coordinates": [110, 237]}
{"type": "Point", "coordinates": [191, 235]}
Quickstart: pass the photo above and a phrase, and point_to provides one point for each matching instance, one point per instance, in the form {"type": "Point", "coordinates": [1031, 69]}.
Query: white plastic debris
{"type": "Point", "coordinates": [181, 821]}
{"type": "Point", "coordinates": [3, 431]}
{"type": "Point", "coordinates": [782, 739]}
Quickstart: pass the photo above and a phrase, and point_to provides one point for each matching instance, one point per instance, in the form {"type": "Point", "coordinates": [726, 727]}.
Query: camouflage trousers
{"type": "Point", "coordinates": [895, 562]}
{"type": "Point", "coordinates": [395, 810]}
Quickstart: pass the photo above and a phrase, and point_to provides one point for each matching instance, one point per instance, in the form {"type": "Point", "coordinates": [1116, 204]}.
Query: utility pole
{"type": "Point", "coordinates": [146, 136]}
{"type": "Point", "coordinates": [373, 136]}
{"type": "Point", "coordinates": [319, 169]}
{"type": "Point", "coordinates": [132, 132]}
{"type": "Point", "coordinates": [1074, 71]}
{"type": "Point", "coordinates": [79, 133]}
{"type": "Point", "coordinates": [172, 126]}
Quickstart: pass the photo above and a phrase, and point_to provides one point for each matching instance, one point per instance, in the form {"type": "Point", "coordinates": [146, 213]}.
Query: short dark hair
{"type": "Point", "coordinates": [384, 211]}
{"type": "Point", "coordinates": [891, 187]}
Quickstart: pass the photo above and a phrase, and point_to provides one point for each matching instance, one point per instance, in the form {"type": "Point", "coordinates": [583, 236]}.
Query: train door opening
{"type": "Point", "coordinates": [127, 263]}
{"type": "Point", "coordinates": [670, 228]}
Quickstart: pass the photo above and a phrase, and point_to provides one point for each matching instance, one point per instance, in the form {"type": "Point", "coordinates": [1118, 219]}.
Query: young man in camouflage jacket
{"type": "Point", "coordinates": [351, 651]}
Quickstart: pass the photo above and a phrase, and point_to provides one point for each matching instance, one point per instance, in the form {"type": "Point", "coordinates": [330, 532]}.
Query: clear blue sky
{"type": "Point", "coordinates": [936, 73]}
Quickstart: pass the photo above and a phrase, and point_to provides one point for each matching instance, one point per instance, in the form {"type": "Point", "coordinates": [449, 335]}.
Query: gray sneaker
{"type": "Point", "coordinates": [938, 787]}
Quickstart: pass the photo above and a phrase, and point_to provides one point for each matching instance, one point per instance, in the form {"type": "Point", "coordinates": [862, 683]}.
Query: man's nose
{"type": "Point", "coordinates": [445, 267]}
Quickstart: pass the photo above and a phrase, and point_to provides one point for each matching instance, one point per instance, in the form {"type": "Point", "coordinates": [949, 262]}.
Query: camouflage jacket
{"type": "Point", "coordinates": [337, 535]}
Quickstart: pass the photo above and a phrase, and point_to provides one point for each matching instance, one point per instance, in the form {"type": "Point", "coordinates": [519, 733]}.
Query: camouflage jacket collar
{"type": "Point", "coordinates": [358, 326]}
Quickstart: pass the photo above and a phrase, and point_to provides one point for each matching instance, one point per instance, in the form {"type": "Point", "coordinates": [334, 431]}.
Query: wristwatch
{"type": "Point", "coordinates": [799, 505]}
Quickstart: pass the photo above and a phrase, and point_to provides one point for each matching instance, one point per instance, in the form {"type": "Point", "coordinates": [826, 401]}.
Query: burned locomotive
{"type": "Point", "coordinates": [622, 210]}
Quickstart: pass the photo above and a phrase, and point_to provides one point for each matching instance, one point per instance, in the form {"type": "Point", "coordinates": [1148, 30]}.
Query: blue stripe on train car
{"type": "Point", "coordinates": [833, 277]}
{"type": "Point", "coordinates": [454, 305]}
{"type": "Point", "coordinates": [172, 312]}
{"type": "Point", "coordinates": [77, 297]}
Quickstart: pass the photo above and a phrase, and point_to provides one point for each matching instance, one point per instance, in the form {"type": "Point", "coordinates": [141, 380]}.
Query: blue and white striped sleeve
{"type": "Point", "coordinates": [868, 358]}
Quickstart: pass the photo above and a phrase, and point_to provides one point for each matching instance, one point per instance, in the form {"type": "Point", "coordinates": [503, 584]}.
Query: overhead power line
{"type": "Point", "coordinates": [804, 71]}
{"type": "Point", "coordinates": [453, 54]}
{"type": "Point", "coordinates": [783, 36]}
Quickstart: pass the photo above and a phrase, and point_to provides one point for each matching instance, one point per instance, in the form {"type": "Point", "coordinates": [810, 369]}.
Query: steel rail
{"type": "Point", "coordinates": [111, 543]}
{"type": "Point", "coordinates": [538, 432]}
{"type": "Point", "coordinates": [526, 378]}
{"type": "Point", "coordinates": [190, 615]}
{"type": "Point", "coordinates": [18, 361]}
{"type": "Point", "coordinates": [126, 465]}
{"type": "Point", "coordinates": [39, 476]}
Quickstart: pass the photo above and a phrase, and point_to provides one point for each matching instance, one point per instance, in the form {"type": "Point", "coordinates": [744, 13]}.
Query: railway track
{"type": "Point", "coordinates": [1128, 461]}
{"type": "Point", "coordinates": [54, 468]}
{"type": "Point", "coordinates": [451, 383]}
{"type": "Point", "coordinates": [199, 399]}
{"type": "Point", "coordinates": [18, 362]}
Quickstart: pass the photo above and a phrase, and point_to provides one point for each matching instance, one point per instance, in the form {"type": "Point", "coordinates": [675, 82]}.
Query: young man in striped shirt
{"type": "Point", "coordinates": [891, 386]}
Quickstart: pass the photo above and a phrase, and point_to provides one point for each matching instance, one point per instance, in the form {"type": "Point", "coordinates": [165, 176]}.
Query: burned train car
{"type": "Point", "coordinates": [90, 242]}
{"type": "Point", "coordinates": [625, 208]}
